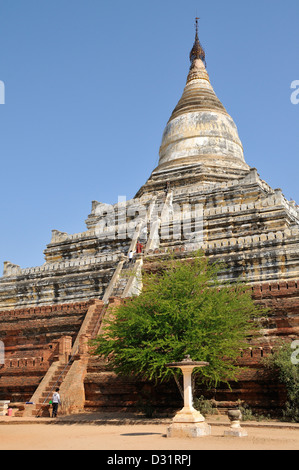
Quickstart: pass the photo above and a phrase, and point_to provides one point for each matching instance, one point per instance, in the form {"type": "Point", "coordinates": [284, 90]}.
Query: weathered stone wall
{"type": "Point", "coordinates": [72, 281]}
{"type": "Point", "coordinates": [255, 385]}
{"type": "Point", "coordinates": [106, 391]}
{"type": "Point", "coordinates": [32, 339]}
{"type": "Point", "coordinates": [246, 224]}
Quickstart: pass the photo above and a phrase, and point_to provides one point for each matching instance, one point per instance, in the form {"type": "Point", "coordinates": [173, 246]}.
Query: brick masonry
{"type": "Point", "coordinates": [31, 337]}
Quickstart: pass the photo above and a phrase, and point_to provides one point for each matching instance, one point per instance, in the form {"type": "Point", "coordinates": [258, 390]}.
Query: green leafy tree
{"type": "Point", "coordinates": [182, 309]}
{"type": "Point", "coordinates": [287, 373]}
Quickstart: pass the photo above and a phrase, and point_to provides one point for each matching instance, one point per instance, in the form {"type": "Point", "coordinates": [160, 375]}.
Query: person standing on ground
{"type": "Point", "coordinates": [55, 402]}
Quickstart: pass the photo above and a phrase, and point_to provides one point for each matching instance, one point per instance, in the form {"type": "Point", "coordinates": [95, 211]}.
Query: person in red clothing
{"type": "Point", "coordinates": [139, 247]}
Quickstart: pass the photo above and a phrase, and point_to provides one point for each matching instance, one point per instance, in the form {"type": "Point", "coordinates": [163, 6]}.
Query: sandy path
{"type": "Point", "coordinates": [136, 437]}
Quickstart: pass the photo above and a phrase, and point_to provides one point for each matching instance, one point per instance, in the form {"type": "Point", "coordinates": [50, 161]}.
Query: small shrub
{"type": "Point", "coordinates": [288, 374]}
{"type": "Point", "coordinates": [204, 406]}
{"type": "Point", "coordinates": [248, 414]}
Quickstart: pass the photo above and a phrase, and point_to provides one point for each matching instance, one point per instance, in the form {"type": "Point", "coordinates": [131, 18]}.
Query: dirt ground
{"type": "Point", "coordinates": [82, 436]}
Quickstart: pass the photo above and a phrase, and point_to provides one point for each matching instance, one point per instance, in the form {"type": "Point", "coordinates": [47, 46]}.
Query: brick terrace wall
{"type": "Point", "coordinates": [282, 298]}
{"type": "Point", "coordinates": [31, 337]}
{"type": "Point", "coordinates": [255, 385]}
{"type": "Point", "coordinates": [106, 391]}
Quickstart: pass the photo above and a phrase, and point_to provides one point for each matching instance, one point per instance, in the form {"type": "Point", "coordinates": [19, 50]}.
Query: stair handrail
{"type": "Point", "coordinates": [99, 321]}
{"type": "Point", "coordinates": [57, 381]}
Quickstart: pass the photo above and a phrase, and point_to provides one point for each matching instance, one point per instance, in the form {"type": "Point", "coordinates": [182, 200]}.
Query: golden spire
{"type": "Point", "coordinates": [197, 51]}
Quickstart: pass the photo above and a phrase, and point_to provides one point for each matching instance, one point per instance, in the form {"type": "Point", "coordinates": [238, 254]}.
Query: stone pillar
{"type": "Point", "coordinates": [235, 430]}
{"type": "Point", "coordinates": [83, 345]}
{"type": "Point", "coordinates": [188, 422]}
{"type": "Point", "coordinates": [65, 348]}
{"type": "Point", "coordinates": [188, 399]}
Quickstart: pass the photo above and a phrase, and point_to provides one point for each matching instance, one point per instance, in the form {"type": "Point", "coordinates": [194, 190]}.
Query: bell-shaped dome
{"type": "Point", "coordinates": [200, 130]}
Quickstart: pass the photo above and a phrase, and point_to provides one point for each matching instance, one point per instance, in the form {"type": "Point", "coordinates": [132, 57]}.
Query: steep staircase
{"type": "Point", "coordinates": [39, 403]}
{"type": "Point", "coordinates": [68, 374]}
{"type": "Point", "coordinates": [60, 369]}
{"type": "Point", "coordinates": [42, 408]}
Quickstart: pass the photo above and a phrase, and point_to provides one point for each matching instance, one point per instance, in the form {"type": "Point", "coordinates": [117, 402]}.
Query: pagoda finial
{"type": "Point", "coordinates": [196, 24]}
{"type": "Point", "coordinates": [197, 51]}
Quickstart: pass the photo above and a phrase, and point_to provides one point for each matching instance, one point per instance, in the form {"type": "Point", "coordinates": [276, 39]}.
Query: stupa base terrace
{"type": "Point", "coordinates": [243, 223]}
{"type": "Point", "coordinates": [48, 346]}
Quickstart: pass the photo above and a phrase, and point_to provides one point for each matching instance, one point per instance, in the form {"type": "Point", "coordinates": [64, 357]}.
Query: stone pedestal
{"type": "Point", "coordinates": [188, 422]}
{"type": "Point", "coordinates": [4, 407]}
{"type": "Point", "coordinates": [235, 429]}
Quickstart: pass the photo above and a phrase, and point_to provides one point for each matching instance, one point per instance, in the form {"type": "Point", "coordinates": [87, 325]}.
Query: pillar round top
{"type": "Point", "coordinates": [187, 361]}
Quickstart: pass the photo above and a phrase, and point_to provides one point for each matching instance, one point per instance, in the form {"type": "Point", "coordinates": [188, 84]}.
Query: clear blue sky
{"type": "Point", "coordinates": [90, 85]}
